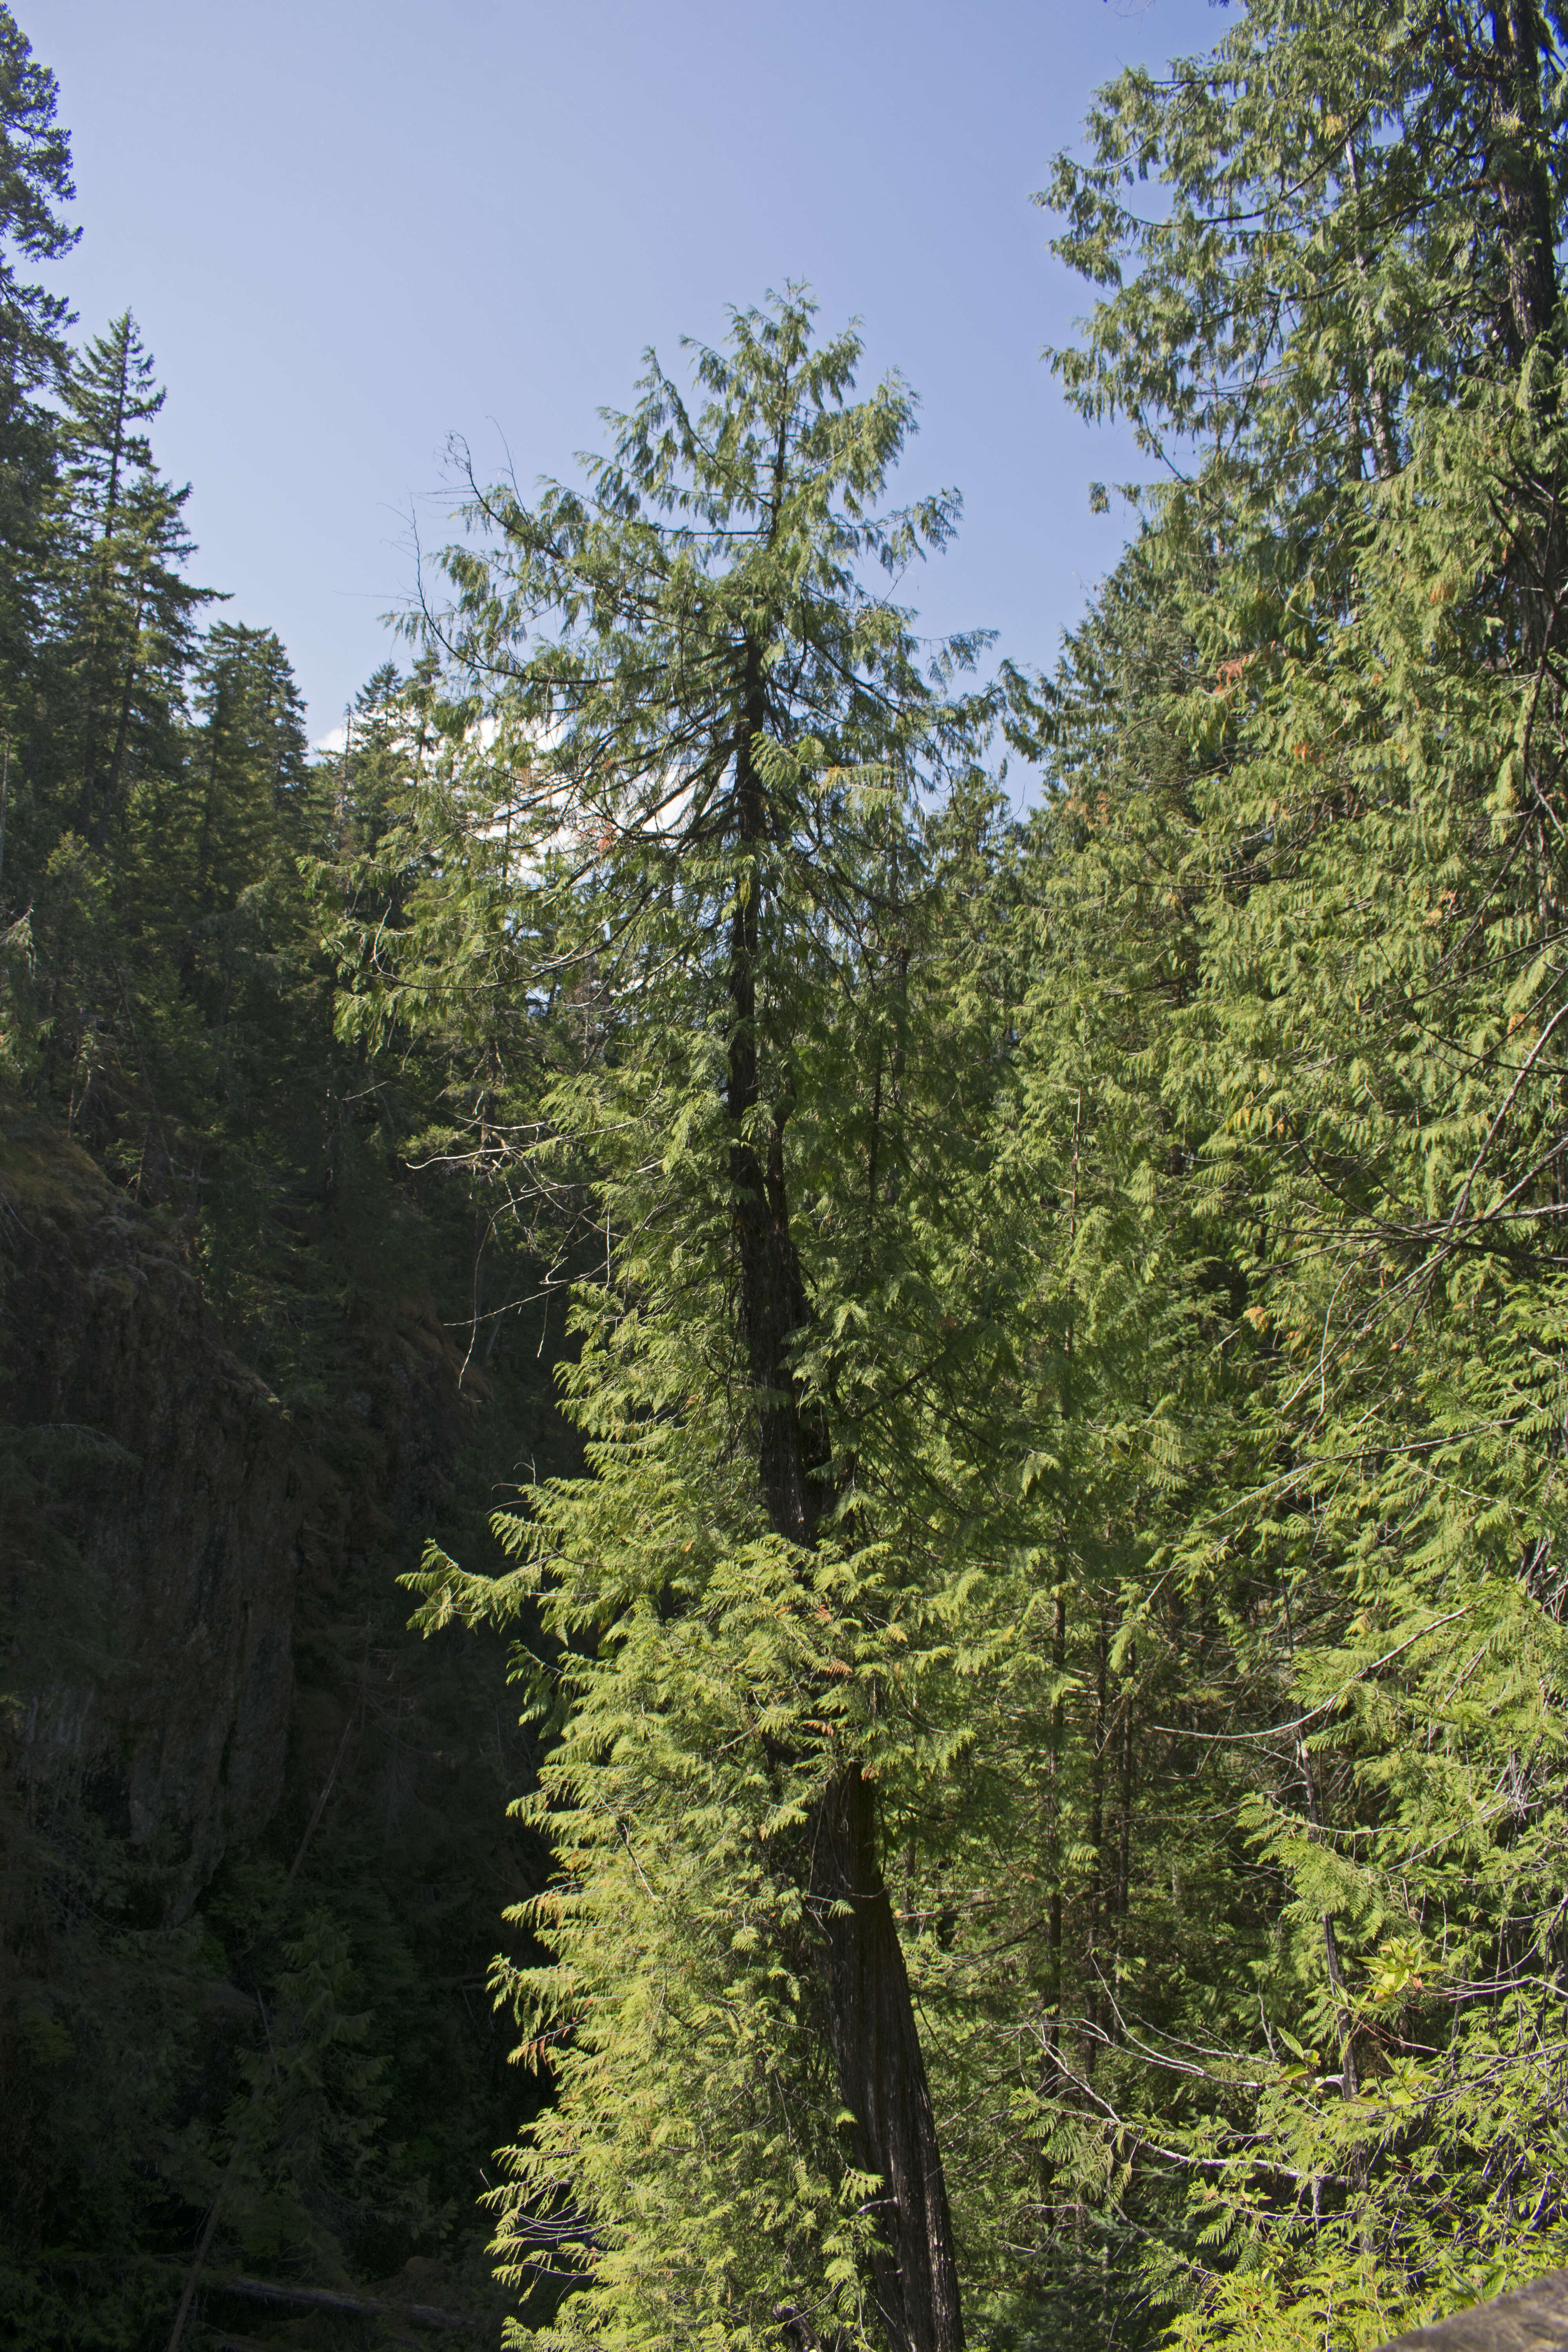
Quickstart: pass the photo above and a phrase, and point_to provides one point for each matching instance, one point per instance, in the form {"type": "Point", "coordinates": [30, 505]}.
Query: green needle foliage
{"type": "Point", "coordinates": [1041, 1630]}
{"type": "Point", "coordinates": [1308, 758]}
{"type": "Point", "coordinates": [715, 741]}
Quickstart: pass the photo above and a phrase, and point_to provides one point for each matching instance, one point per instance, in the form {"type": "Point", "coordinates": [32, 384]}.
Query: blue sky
{"type": "Point", "coordinates": [349, 230]}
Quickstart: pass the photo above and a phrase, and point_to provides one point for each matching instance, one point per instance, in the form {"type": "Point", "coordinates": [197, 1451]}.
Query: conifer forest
{"type": "Point", "coordinates": [783, 1413]}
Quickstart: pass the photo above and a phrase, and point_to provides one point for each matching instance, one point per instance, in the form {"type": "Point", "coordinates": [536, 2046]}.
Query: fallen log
{"type": "Point", "coordinates": [322, 2298]}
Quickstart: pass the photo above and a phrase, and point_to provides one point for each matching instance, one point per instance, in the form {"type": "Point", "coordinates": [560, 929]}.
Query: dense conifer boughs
{"type": "Point", "coordinates": [241, 2026]}
{"type": "Point", "coordinates": [1346, 333]}
{"type": "Point", "coordinates": [1219, 1365]}
{"type": "Point", "coordinates": [716, 738]}
{"type": "Point", "coordinates": [34, 184]}
{"type": "Point", "coordinates": [1040, 1618]}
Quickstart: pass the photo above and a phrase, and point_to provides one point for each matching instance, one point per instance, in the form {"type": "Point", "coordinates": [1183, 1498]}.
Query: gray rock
{"type": "Point", "coordinates": [1533, 2319]}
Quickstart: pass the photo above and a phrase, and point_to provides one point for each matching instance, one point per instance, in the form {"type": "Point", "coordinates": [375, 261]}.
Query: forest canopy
{"type": "Point", "coordinates": [1038, 1609]}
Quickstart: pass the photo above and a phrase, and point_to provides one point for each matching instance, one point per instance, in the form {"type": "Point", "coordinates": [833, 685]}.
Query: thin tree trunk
{"type": "Point", "coordinates": [870, 2015]}
{"type": "Point", "coordinates": [117, 761]}
{"type": "Point", "coordinates": [209, 805]}
{"type": "Point", "coordinates": [1523, 189]}
{"type": "Point", "coordinates": [772, 1295]}
{"type": "Point", "coordinates": [1125, 1857]}
{"type": "Point", "coordinates": [1379, 414]}
{"type": "Point", "coordinates": [1058, 1709]}
{"type": "Point", "coordinates": [105, 539]}
{"type": "Point", "coordinates": [1344, 2019]}
{"type": "Point", "coordinates": [1101, 1887]}
{"type": "Point", "coordinates": [882, 2071]}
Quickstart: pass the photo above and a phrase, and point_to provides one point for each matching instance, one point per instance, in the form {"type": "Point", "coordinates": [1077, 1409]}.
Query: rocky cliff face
{"type": "Point", "coordinates": [168, 1516]}
{"type": "Point", "coordinates": [176, 1482]}
{"type": "Point", "coordinates": [254, 1852]}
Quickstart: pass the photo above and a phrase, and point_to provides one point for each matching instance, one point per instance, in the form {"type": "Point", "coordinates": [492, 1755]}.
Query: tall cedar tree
{"type": "Point", "coordinates": [716, 737]}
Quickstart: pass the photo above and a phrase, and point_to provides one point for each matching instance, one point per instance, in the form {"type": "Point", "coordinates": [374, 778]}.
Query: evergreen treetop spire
{"type": "Point", "coordinates": [34, 182]}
